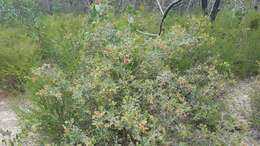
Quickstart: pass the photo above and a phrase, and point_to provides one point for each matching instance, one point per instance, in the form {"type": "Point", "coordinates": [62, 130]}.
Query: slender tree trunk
{"type": "Point", "coordinates": [47, 4]}
{"type": "Point", "coordinates": [256, 4]}
{"type": "Point", "coordinates": [118, 7]}
{"type": "Point", "coordinates": [137, 4]}
{"type": "Point", "coordinates": [91, 2]}
{"type": "Point", "coordinates": [215, 10]}
{"type": "Point", "coordinates": [204, 4]}
{"type": "Point", "coordinates": [71, 4]}
{"type": "Point", "coordinates": [85, 5]}
{"type": "Point", "coordinates": [189, 6]}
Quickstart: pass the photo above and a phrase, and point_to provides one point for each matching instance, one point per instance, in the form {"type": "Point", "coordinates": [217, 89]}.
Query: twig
{"type": "Point", "coordinates": [166, 13]}
{"type": "Point", "coordinates": [189, 5]}
{"type": "Point", "coordinates": [215, 10]}
{"type": "Point", "coordinates": [160, 7]}
{"type": "Point", "coordinates": [147, 33]}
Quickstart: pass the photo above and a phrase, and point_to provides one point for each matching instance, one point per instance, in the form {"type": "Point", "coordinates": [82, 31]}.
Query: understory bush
{"type": "Point", "coordinates": [18, 54]}
{"type": "Point", "coordinates": [60, 39]}
{"type": "Point", "coordinates": [237, 41]}
{"type": "Point", "coordinates": [132, 90]}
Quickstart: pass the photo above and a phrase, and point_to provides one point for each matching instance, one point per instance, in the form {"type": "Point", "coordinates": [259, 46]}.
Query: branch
{"type": "Point", "coordinates": [215, 10]}
{"type": "Point", "coordinates": [189, 5]}
{"type": "Point", "coordinates": [166, 13]}
{"type": "Point", "coordinates": [147, 33]}
{"type": "Point", "coordinates": [160, 7]}
{"type": "Point", "coordinates": [204, 4]}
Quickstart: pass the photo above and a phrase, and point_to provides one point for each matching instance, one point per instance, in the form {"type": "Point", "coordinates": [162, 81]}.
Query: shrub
{"type": "Point", "coordinates": [18, 53]}
{"type": "Point", "coordinates": [126, 90]}
{"type": "Point", "coordinates": [237, 41]}
{"type": "Point", "coordinates": [61, 39]}
{"type": "Point", "coordinates": [198, 46]}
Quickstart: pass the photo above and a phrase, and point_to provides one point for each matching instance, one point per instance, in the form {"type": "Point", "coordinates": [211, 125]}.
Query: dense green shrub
{"type": "Point", "coordinates": [60, 39]}
{"type": "Point", "coordinates": [18, 54]}
{"type": "Point", "coordinates": [237, 41]}
{"type": "Point", "coordinates": [126, 90]}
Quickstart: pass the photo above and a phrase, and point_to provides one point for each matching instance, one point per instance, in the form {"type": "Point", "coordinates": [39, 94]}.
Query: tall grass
{"type": "Point", "coordinates": [60, 39]}
{"type": "Point", "coordinates": [18, 54]}
{"type": "Point", "coordinates": [237, 41]}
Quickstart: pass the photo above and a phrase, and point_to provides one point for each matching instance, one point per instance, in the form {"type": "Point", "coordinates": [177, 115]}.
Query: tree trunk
{"type": "Point", "coordinates": [256, 4]}
{"type": "Point", "coordinates": [47, 6]}
{"type": "Point", "coordinates": [215, 10]}
{"type": "Point", "coordinates": [204, 4]}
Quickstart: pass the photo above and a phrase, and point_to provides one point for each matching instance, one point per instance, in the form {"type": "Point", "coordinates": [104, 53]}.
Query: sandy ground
{"type": "Point", "coordinates": [8, 120]}
{"type": "Point", "coordinates": [239, 102]}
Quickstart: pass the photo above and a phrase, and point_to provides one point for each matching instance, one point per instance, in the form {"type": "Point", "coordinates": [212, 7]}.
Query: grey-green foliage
{"type": "Point", "coordinates": [126, 90]}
